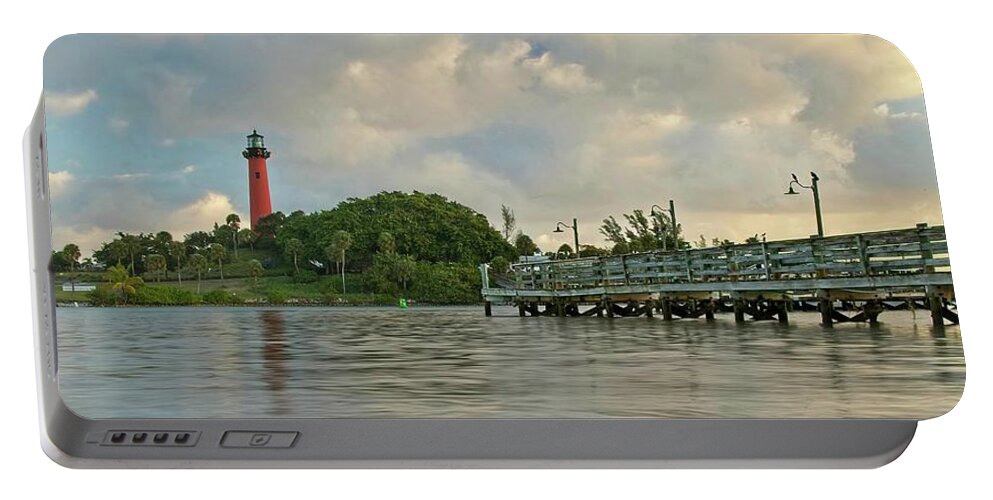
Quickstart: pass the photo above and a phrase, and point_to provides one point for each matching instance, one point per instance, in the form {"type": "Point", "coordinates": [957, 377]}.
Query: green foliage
{"type": "Point", "coordinates": [276, 297]}
{"type": "Point", "coordinates": [500, 265]}
{"type": "Point", "coordinates": [71, 254]}
{"type": "Point", "coordinates": [428, 227]}
{"type": "Point", "coordinates": [102, 295]}
{"type": "Point", "coordinates": [305, 276]}
{"type": "Point", "coordinates": [443, 283]}
{"type": "Point", "coordinates": [390, 273]}
{"type": "Point", "coordinates": [221, 297]}
{"type": "Point", "coordinates": [525, 245]}
{"type": "Point", "coordinates": [155, 264]}
{"type": "Point", "coordinates": [642, 233]}
{"type": "Point", "coordinates": [293, 248]}
{"type": "Point", "coordinates": [165, 296]}
{"type": "Point", "coordinates": [121, 283]}
{"type": "Point", "coordinates": [256, 270]}
{"type": "Point", "coordinates": [386, 243]}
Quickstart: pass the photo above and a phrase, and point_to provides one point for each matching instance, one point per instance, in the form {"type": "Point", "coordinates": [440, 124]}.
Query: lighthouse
{"type": "Point", "coordinates": [258, 178]}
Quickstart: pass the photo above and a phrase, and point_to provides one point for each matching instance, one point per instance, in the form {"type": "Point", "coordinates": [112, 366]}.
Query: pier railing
{"type": "Point", "coordinates": [919, 250]}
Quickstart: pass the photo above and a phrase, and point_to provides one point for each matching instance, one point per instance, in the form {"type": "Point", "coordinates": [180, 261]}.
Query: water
{"type": "Point", "coordinates": [454, 362]}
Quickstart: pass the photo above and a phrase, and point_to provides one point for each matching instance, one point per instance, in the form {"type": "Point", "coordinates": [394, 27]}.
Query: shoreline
{"type": "Point", "coordinates": [410, 305]}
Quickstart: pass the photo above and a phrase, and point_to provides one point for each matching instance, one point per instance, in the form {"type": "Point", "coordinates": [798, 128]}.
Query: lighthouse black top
{"type": "Point", "coordinates": [534, 226]}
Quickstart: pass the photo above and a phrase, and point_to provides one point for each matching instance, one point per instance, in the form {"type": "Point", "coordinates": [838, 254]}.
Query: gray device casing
{"type": "Point", "coordinates": [75, 441]}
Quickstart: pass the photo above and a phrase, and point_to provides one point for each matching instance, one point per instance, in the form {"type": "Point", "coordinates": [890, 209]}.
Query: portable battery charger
{"type": "Point", "coordinates": [486, 251]}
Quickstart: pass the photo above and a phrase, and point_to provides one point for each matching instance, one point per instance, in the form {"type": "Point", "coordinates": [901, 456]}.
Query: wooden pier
{"type": "Point", "coordinates": [848, 278]}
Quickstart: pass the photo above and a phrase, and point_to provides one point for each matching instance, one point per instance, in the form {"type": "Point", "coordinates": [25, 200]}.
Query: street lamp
{"type": "Point", "coordinates": [575, 232]}
{"type": "Point", "coordinates": [817, 198]}
{"type": "Point", "coordinates": [672, 217]}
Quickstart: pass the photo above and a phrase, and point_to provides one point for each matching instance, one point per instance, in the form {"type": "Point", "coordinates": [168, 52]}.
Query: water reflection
{"type": "Point", "coordinates": [274, 356]}
{"type": "Point", "coordinates": [454, 362]}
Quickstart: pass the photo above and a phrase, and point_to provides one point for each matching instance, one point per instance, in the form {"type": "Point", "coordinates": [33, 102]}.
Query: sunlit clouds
{"type": "Point", "coordinates": [554, 126]}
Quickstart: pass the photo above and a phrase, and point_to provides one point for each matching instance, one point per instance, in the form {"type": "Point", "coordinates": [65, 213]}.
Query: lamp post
{"type": "Point", "coordinates": [672, 221]}
{"type": "Point", "coordinates": [575, 232]}
{"type": "Point", "coordinates": [817, 198]}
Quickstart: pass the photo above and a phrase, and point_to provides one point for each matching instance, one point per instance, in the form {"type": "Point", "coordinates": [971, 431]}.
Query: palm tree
{"type": "Point", "coordinates": [199, 264]}
{"type": "Point", "coordinates": [247, 236]}
{"type": "Point", "coordinates": [178, 251]}
{"type": "Point", "coordinates": [255, 267]}
{"type": "Point", "coordinates": [156, 264]}
{"type": "Point", "coordinates": [116, 251]}
{"type": "Point", "coordinates": [218, 253]}
{"type": "Point", "coordinates": [293, 249]}
{"type": "Point", "coordinates": [71, 253]}
{"type": "Point", "coordinates": [386, 243]}
{"type": "Point", "coordinates": [340, 243]}
{"type": "Point", "coordinates": [132, 245]}
{"type": "Point", "coordinates": [234, 222]}
{"type": "Point", "coordinates": [122, 282]}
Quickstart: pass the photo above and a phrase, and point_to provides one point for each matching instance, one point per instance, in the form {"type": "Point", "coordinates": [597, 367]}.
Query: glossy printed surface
{"type": "Point", "coordinates": [451, 363]}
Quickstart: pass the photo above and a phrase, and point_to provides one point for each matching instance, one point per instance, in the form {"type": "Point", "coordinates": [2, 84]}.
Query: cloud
{"type": "Point", "coordinates": [59, 182]}
{"type": "Point", "coordinates": [131, 176]}
{"type": "Point", "coordinates": [556, 126]}
{"type": "Point", "coordinates": [569, 78]}
{"type": "Point", "coordinates": [68, 103]}
{"type": "Point", "coordinates": [118, 124]}
{"type": "Point", "coordinates": [200, 215]}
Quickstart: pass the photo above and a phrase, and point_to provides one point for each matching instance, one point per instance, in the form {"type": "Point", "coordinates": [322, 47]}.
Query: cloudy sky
{"type": "Point", "coordinates": [146, 132]}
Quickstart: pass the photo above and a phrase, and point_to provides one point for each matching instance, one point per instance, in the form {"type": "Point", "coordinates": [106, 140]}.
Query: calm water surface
{"type": "Point", "coordinates": [454, 362]}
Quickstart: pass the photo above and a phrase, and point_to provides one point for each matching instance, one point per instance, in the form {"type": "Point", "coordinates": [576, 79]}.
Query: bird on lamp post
{"type": "Point", "coordinates": [817, 197]}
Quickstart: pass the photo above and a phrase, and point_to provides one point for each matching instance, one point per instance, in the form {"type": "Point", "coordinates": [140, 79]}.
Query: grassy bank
{"type": "Point", "coordinates": [268, 290]}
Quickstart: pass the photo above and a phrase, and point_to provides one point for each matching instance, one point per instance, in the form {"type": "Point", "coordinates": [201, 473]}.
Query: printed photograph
{"type": "Point", "coordinates": [496, 226]}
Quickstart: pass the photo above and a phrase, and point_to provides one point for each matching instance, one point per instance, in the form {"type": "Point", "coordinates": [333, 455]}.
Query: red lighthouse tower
{"type": "Point", "coordinates": [258, 178]}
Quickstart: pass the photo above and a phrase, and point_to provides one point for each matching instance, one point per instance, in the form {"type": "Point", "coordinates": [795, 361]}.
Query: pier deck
{"type": "Point", "coordinates": [866, 273]}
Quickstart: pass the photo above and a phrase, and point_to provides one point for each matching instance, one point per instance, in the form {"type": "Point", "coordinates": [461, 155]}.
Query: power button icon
{"type": "Point", "coordinates": [258, 439]}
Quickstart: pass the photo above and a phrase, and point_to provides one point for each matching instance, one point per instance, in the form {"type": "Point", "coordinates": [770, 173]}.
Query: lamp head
{"type": "Point", "coordinates": [791, 191]}
{"type": "Point", "coordinates": [558, 229]}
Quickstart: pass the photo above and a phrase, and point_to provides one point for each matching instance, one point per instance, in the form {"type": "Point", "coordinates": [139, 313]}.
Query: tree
{"type": "Point", "coordinates": [564, 251]}
{"type": "Point", "coordinates": [218, 253]}
{"type": "Point", "coordinates": [234, 222]}
{"type": "Point", "coordinates": [122, 282]}
{"type": "Point", "coordinates": [525, 246]}
{"type": "Point", "coordinates": [161, 242]}
{"type": "Point", "coordinates": [247, 237]}
{"type": "Point", "coordinates": [71, 254]}
{"type": "Point", "coordinates": [256, 270]}
{"type": "Point", "coordinates": [391, 273]}
{"type": "Point", "coordinates": [199, 264]}
{"type": "Point", "coordinates": [132, 244]}
{"type": "Point", "coordinates": [428, 227]}
{"type": "Point", "coordinates": [340, 243]}
{"type": "Point", "coordinates": [156, 264]}
{"type": "Point", "coordinates": [592, 251]}
{"type": "Point", "coordinates": [499, 265]}
{"type": "Point", "coordinates": [293, 248]}
{"type": "Point", "coordinates": [509, 222]}
{"type": "Point", "coordinates": [223, 234]}
{"type": "Point", "coordinates": [178, 251]}
{"type": "Point", "coordinates": [386, 243]}
{"type": "Point", "coordinates": [115, 251]}
{"type": "Point", "coordinates": [643, 232]}
{"type": "Point", "coordinates": [198, 239]}
{"type": "Point", "coordinates": [266, 229]}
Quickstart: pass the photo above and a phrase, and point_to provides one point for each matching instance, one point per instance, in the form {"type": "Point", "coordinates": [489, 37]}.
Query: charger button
{"type": "Point", "coordinates": [258, 439]}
